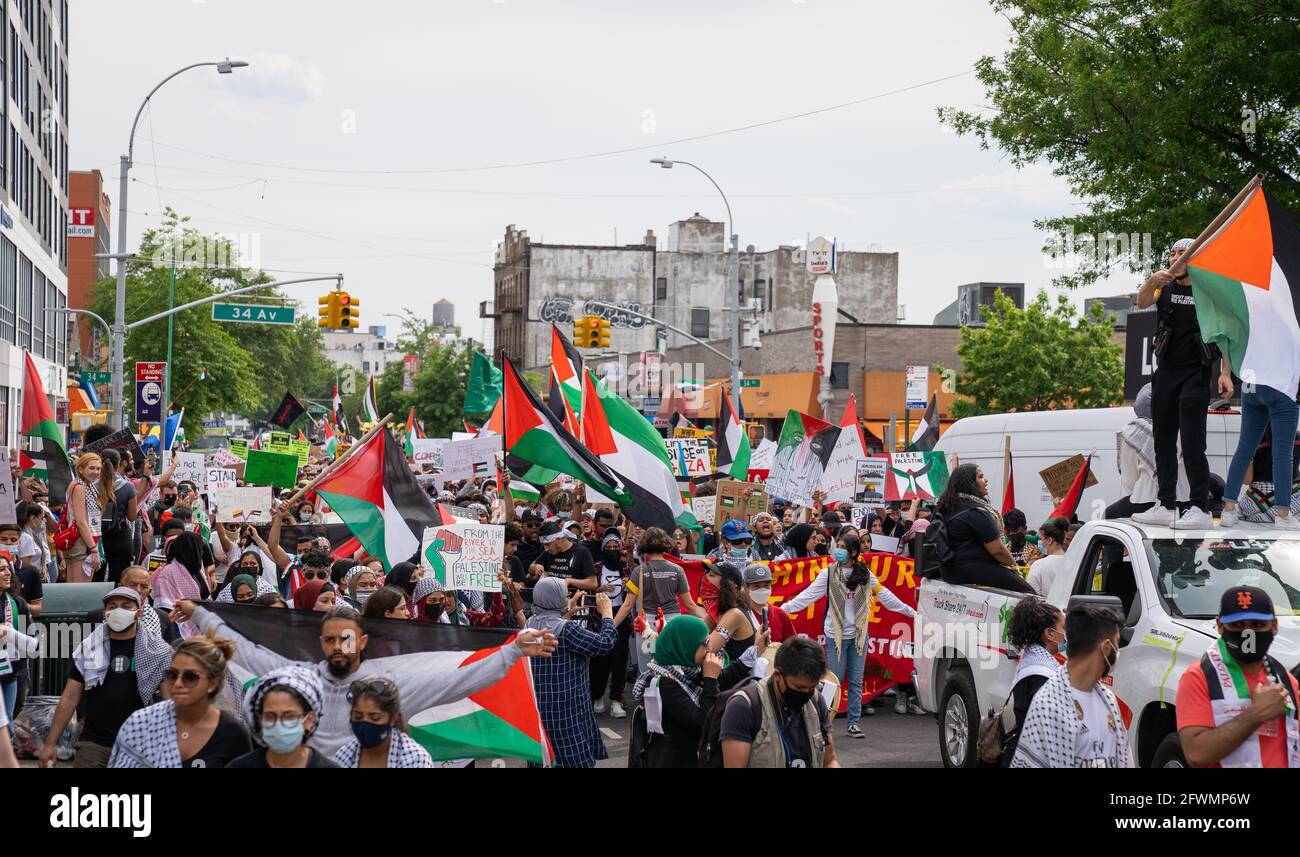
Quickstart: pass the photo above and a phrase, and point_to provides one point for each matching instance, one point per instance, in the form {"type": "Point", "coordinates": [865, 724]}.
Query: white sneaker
{"type": "Point", "coordinates": [599, 706]}
{"type": "Point", "coordinates": [900, 704]}
{"type": "Point", "coordinates": [1156, 516]}
{"type": "Point", "coordinates": [1286, 523]}
{"type": "Point", "coordinates": [1194, 518]}
{"type": "Point", "coordinates": [914, 707]}
{"type": "Point", "coordinates": [1229, 518]}
{"type": "Point", "coordinates": [617, 711]}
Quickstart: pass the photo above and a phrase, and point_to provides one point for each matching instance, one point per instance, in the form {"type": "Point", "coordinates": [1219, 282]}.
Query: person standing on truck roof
{"type": "Point", "coordinates": [1236, 705]}
{"type": "Point", "coordinates": [1074, 720]}
{"type": "Point", "coordinates": [1180, 396]}
{"type": "Point", "coordinates": [1137, 463]}
{"type": "Point", "coordinates": [1262, 406]}
{"type": "Point", "coordinates": [974, 530]}
{"type": "Point", "coordinates": [1037, 629]}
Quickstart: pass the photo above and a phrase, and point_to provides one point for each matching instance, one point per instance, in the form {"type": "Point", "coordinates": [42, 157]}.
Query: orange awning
{"type": "Point", "coordinates": [774, 396]}
{"type": "Point", "coordinates": [78, 400]}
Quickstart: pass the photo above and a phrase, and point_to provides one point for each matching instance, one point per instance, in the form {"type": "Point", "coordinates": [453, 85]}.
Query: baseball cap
{"type": "Point", "coordinates": [123, 592]}
{"type": "Point", "coordinates": [728, 572]}
{"type": "Point", "coordinates": [756, 572]}
{"type": "Point", "coordinates": [734, 531]}
{"type": "Point", "coordinates": [531, 514]}
{"type": "Point", "coordinates": [1240, 603]}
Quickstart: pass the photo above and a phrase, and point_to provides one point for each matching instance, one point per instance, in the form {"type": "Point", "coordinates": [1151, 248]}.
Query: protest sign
{"type": "Point", "coordinates": [428, 451]}
{"type": "Point", "coordinates": [839, 480]}
{"type": "Point", "coordinates": [248, 505]}
{"type": "Point", "coordinates": [692, 432]}
{"type": "Point", "coordinates": [884, 544]}
{"type": "Point", "coordinates": [470, 458]}
{"type": "Point", "coordinates": [731, 501]}
{"type": "Point", "coordinates": [190, 467]}
{"type": "Point", "coordinates": [155, 561]}
{"type": "Point", "coordinates": [302, 449]}
{"type": "Point", "coordinates": [704, 508]}
{"type": "Point", "coordinates": [858, 516]}
{"type": "Point", "coordinates": [464, 555]}
{"type": "Point", "coordinates": [910, 475]}
{"type": "Point", "coordinates": [802, 452]}
{"type": "Point", "coordinates": [8, 515]}
{"type": "Point", "coordinates": [239, 448]}
{"type": "Point", "coordinates": [221, 478]}
{"type": "Point", "coordinates": [869, 481]}
{"type": "Point", "coordinates": [689, 457]}
{"type": "Point", "coordinates": [1060, 476]}
{"type": "Point", "coordinates": [223, 457]}
{"type": "Point", "coordinates": [760, 462]}
{"type": "Point", "coordinates": [271, 468]}
{"type": "Point", "coordinates": [280, 442]}
{"type": "Point", "coordinates": [123, 441]}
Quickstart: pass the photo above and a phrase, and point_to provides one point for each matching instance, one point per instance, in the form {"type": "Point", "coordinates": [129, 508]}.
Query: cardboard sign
{"type": "Point", "coordinates": [869, 484]}
{"type": "Point", "coordinates": [248, 505]}
{"type": "Point", "coordinates": [428, 450]}
{"type": "Point", "coordinates": [839, 479]}
{"type": "Point", "coordinates": [220, 479]}
{"type": "Point", "coordinates": [190, 467]}
{"type": "Point", "coordinates": [271, 468]}
{"type": "Point", "coordinates": [281, 442]}
{"type": "Point", "coordinates": [471, 458]}
{"type": "Point", "coordinates": [692, 433]}
{"type": "Point", "coordinates": [465, 555]}
{"type": "Point", "coordinates": [704, 508]}
{"type": "Point", "coordinates": [689, 457]}
{"type": "Point", "coordinates": [730, 501]}
{"type": "Point", "coordinates": [302, 449]}
{"type": "Point", "coordinates": [1060, 476]}
{"type": "Point", "coordinates": [123, 441]}
{"type": "Point", "coordinates": [239, 448]}
{"type": "Point", "coordinates": [858, 515]}
{"type": "Point", "coordinates": [8, 514]}
{"type": "Point", "coordinates": [223, 457]}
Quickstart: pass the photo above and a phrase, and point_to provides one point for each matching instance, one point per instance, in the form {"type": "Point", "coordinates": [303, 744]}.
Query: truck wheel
{"type": "Point", "coordinates": [958, 721]}
{"type": "Point", "coordinates": [1169, 754]}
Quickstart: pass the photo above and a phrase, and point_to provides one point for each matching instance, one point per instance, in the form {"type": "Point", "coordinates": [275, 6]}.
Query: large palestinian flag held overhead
{"type": "Point", "coordinates": [46, 458]}
{"type": "Point", "coordinates": [634, 451]}
{"type": "Point", "coordinates": [378, 497]}
{"type": "Point", "coordinates": [1246, 282]}
{"type": "Point", "coordinates": [733, 443]}
{"type": "Point", "coordinates": [500, 720]}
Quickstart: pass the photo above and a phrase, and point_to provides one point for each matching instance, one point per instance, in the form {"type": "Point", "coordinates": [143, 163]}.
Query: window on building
{"type": "Point", "coordinates": [38, 314]}
{"type": "Point", "coordinates": [760, 293]}
{"type": "Point", "coordinates": [61, 334]}
{"type": "Point", "coordinates": [4, 414]}
{"type": "Point", "coordinates": [52, 322]}
{"type": "Point", "coordinates": [839, 376]}
{"type": "Point", "coordinates": [8, 289]}
{"type": "Point", "coordinates": [661, 289]}
{"type": "Point", "coordinates": [700, 323]}
{"type": "Point", "coordinates": [365, 366]}
{"type": "Point", "coordinates": [24, 302]}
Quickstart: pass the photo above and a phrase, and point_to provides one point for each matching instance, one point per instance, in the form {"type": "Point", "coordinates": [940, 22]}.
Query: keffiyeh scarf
{"type": "Point", "coordinates": [151, 655]}
{"type": "Point", "coordinates": [1047, 740]}
{"type": "Point", "coordinates": [690, 680]}
{"type": "Point", "coordinates": [302, 680]}
{"type": "Point", "coordinates": [225, 596]}
{"type": "Point", "coordinates": [837, 592]}
{"type": "Point", "coordinates": [403, 752]}
{"type": "Point", "coordinates": [148, 739]}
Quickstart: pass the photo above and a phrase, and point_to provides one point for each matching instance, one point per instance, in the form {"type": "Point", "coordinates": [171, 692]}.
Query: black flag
{"type": "Point", "coordinates": [288, 412]}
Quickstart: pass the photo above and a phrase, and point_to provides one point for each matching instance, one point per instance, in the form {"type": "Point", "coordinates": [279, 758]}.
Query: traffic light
{"type": "Point", "coordinates": [579, 331]}
{"type": "Point", "coordinates": [349, 311]}
{"type": "Point", "coordinates": [591, 336]}
{"type": "Point", "coordinates": [328, 311]}
{"type": "Point", "coordinates": [602, 334]}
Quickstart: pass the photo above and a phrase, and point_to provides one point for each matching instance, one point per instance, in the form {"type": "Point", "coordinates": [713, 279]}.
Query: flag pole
{"type": "Point", "coordinates": [1180, 266]}
{"type": "Point", "coordinates": [1006, 464]}
{"type": "Point", "coordinates": [378, 427]}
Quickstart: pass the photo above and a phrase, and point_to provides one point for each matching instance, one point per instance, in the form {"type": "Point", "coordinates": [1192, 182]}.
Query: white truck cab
{"type": "Point", "coordinates": [1165, 583]}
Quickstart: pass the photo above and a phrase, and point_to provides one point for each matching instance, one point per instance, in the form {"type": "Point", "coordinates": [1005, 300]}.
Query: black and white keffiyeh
{"type": "Point", "coordinates": [151, 655]}
{"type": "Point", "coordinates": [225, 596]}
{"type": "Point", "coordinates": [403, 752]}
{"type": "Point", "coordinates": [148, 739]}
{"type": "Point", "coordinates": [1047, 740]}
{"type": "Point", "coordinates": [691, 680]}
{"type": "Point", "coordinates": [301, 679]}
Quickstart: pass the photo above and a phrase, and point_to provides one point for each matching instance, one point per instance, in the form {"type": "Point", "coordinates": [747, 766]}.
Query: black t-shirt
{"type": "Point", "coordinates": [592, 546]}
{"type": "Point", "coordinates": [741, 722]}
{"type": "Point", "coordinates": [109, 704]}
{"type": "Point", "coordinates": [257, 759]}
{"type": "Point", "coordinates": [528, 552]}
{"type": "Point", "coordinates": [769, 551]}
{"type": "Point", "coordinates": [229, 741]}
{"type": "Point", "coordinates": [29, 581]}
{"type": "Point", "coordinates": [574, 564]}
{"type": "Point", "coordinates": [1179, 306]}
{"type": "Point", "coordinates": [968, 531]}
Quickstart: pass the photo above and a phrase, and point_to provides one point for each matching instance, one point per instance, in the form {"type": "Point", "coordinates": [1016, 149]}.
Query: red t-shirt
{"type": "Point", "coordinates": [1194, 709]}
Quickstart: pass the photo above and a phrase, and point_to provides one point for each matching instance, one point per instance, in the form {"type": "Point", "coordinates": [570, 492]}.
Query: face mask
{"type": "Point", "coordinates": [1110, 663]}
{"type": "Point", "coordinates": [281, 738]}
{"type": "Point", "coordinates": [432, 610]}
{"type": "Point", "coordinates": [1017, 540]}
{"type": "Point", "coordinates": [119, 618]}
{"type": "Point", "coordinates": [760, 596]}
{"type": "Point", "coordinates": [1060, 647]}
{"type": "Point", "coordinates": [563, 516]}
{"type": "Point", "coordinates": [841, 555]}
{"type": "Point", "coordinates": [370, 734]}
{"type": "Point", "coordinates": [612, 559]}
{"type": "Point", "coordinates": [1245, 649]}
{"type": "Point", "coordinates": [169, 501]}
{"type": "Point", "coordinates": [795, 699]}
{"type": "Point", "coordinates": [738, 553]}
{"type": "Point", "coordinates": [363, 595]}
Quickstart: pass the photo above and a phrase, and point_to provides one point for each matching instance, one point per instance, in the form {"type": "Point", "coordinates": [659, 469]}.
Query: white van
{"type": "Point", "coordinates": [1040, 439]}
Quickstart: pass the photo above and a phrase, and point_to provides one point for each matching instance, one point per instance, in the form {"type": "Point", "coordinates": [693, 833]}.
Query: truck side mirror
{"type": "Point", "coordinates": [1111, 602]}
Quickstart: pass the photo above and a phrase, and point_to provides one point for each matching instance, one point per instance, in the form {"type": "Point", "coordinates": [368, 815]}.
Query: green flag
{"type": "Point", "coordinates": [484, 386]}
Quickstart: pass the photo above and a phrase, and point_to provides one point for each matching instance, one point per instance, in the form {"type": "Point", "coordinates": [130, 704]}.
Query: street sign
{"type": "Point", "coordinates": [253, 313]}
{"type": "Point", "coordinates": [98, 377]}
{"type": "Point", "coordinates": [749, 382]}
{"type": "Point", "coordinates": [149, 392]}
{"type": "Point", "coordinates": [918, 387]}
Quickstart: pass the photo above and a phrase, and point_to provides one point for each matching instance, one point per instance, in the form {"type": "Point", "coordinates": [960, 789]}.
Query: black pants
{"type": "Point", "coordinates": [986, 574]}
{"type": "Point", "coordinates": [118, 553]}
{"type": "Point", "coordinates": [612, 668]}
{"type": "Point", "coordinates": [1125, 508]}
{"type": "Point", "coordinates": [1180, 396]}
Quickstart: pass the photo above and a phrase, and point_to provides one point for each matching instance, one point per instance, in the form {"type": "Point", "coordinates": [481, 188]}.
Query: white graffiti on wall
{"type": "Point", "coordinates": [561, 309]}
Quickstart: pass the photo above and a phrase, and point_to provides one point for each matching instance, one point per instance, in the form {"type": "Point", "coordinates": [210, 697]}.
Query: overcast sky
{"type": "Point", "coordinates": [294, 150]}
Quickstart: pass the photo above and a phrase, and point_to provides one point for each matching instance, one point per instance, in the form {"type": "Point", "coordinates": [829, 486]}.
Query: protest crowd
{"type": "Point", "coordinates": [270, 603]}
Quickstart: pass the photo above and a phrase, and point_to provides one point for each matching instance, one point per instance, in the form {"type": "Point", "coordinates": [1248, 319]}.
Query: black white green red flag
{"type": "Point", "coordinates": [45, 456]}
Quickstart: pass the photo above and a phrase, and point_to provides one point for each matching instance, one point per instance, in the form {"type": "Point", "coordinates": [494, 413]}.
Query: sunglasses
{"type": "Point", "coordinates": [188, 678]}
{"type": "Point", "coordinates": [308, 574]}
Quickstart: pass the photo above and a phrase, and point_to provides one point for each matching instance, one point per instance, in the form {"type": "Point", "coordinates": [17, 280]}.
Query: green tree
{"type": "Point", "coordinates": [1156, 111]}
{"type": "Point", "coordinates": [1038, 358]}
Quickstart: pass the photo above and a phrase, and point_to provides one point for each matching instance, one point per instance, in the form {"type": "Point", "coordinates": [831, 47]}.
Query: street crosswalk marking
{"type": "Point", "coordinates": [610, 734]}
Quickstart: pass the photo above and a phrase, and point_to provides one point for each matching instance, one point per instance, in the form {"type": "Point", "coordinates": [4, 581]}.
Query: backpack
{"type": "Point", "coordinates": [710, 749]}
{"type": "Point", "coordinates": [935, 554]}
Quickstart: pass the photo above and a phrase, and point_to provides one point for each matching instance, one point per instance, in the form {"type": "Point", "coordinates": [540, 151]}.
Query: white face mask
{"type": "Point", "coordinates": [760, 596]}
{"type": "Point", "coordinates": [363, 595]}
{"type": "Point", "coordinates": [119, 618]}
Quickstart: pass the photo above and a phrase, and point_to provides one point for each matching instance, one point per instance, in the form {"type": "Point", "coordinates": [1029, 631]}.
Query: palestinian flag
{"type": "Point", "coordinates": [1009, 489]}
{"type": "Point", "coordinates": [627, 443]}
{"type": "Point", "coordinates": [733, 443]}
{"type": "Point", "coordinates": [378, 497]}
{"type": "Point", "coordinates": [927, 430]}
{"type": "Point", "coordinates": [410, 433]}
{"type": "Point", "coordinates": [484, 387]}
{"type": "Point", "coordinates": [369, 400]}
{"type": "Point", "coordinates": [525, 470]}
{"type": "Point", "coordinates": [340, 422]}
{"type": "Point", "coordinates": [534, 434]}
{"type": "Point", "coordinates": [46, 454]}
{"type": "Point", "coordinates": [910, 475]}
{"type": "Point", "coordinates": [499, 721]}
{"type": "Point", "coordinates": [331, 439]}
{"type": "Point", "coordinates": [802, 452]}
{"type": "Point", "coordinates": [677, 421]}
{"type": "Point", "coordinates": [1246, 284]}
{"type": "Point", "coordinates": [566, 369]}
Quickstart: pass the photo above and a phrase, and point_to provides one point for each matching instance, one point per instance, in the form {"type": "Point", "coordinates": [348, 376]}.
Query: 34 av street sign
{"type": "Point", "coordinates": [253, 313]}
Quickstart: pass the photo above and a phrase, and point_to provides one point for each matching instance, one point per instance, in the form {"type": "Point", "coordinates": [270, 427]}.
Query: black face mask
{"type": "Point", "coordinates": [613, 559]}
{"type": "Point", "coordinates": [433, 611]}
{"type": "Point", "coordinates": [1017, 540]}
{"type": "Point", "coordinates": [1248, 647]}
{"type": "Point", "coordinates": [169, 501]}
{"type": "Point", "coordinates": [795, 699]}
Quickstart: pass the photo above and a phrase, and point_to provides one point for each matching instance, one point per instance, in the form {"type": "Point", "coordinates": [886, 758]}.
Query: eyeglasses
{"type": "Point", "coordinates": [309, 574]}
{"type": "Point", "coordinates": [188, 678]}
{"type": "Point", "coordinates": [288, 721]}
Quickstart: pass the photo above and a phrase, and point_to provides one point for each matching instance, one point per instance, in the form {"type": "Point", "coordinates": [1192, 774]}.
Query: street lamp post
{"type": "Point", "coordinates": [732, 276]}
{"type": "Point", "coordinates": [119, 312]}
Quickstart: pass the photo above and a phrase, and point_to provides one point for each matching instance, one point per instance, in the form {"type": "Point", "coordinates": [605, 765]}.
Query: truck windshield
{"type": "Point", "coordinates": [1191, 575]}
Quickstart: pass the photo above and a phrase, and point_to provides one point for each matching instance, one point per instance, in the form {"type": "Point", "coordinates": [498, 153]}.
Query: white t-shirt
{"type": "Point", "coordinates": [1042, 574]}
{"type": "Point", "coordinates": [613, 577]}
{"type": "Point", "coordinates": [27, 547]}
{"type": "Point", "coordinates": [1095, 745]}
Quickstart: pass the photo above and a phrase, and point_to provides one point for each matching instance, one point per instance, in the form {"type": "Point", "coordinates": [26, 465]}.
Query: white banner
{"type": "Point", "coordinates": [221, 479]}
{"type": "Point", "coordinates": [466, 459]}
{"type": "Point", "coordinates": [248, 505]}
{"type": "Point", "coordinates": [465, 555]}
{"type": "Point", "coordinates": [840, 478]}
{"type": "Point", "coordinates": [428, 450]}
{"type": "Point", "coordinates": [190, 467]}
{"type": "Point", "coordinates": [689, 456]}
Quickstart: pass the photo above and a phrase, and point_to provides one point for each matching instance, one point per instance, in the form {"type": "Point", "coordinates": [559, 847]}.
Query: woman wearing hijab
{"type": "Point", "coordinates": [676, 693]}
{"type": "Point", "coordinates": [974, 530]}
{"type": "Point", "coordinates": [360, 583]}
{"type": "Point", "coordinates": [563, 681]}
{"type": "Point", "coordinates": [240, 589]}
{"type": "Point", "coordinates": [430, 598]}
{"type": "Point", "coordinates": [315, 594]}
{"type": "Point", "coordinates": [283, 710]}
{"type": "Point", "coordinates": [184, 577]}
{"type": "Point", "coordinates": [404, 576]}
{"type": "Point", "coordinates": [800, 542]}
